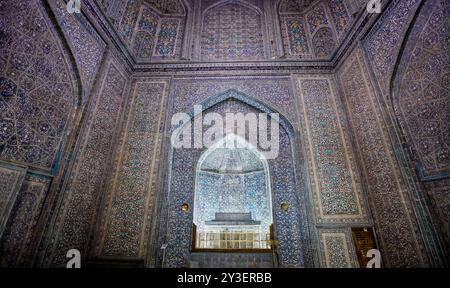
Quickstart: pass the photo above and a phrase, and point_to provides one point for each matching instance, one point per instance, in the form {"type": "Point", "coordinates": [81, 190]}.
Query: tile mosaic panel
{"type": "Point", "coordinates": [85, 43]}
{"type": "Point", "coordinates": [390, 208]}
{"type": "Point", "coordinates": [115, 9]}
{"type": "Point", "coordinates": [337, 249]}
{"type": "Point", "coordinates": [11, 178]}
{"type": "Point", "coordinates": [323, 43]}
{"type": "Point", "coordinates": [294, 6]}
{"type": "Point", "coordinates": [439, 194]}
{"type": "Point", "coordinates": [144, 40]}
{"type": "Point", "coordinates": [128, 22]}
{"type": "Point", "coordinates": [334, 174]}
{"type": "Point", "coordinates": [23, 218]}
{"type": "Point", "coordinates": [275, 91]}
{"type": "Point", "coordinates": [231, 193]}
{"type": "Point", "coordinates": [295, 36]}
{"type": "Point", "coordinates": [167, 6]}
{"type": "Point", "coordinates": [167, 37]}
{"type": "Point", "coordinates": [340, 16]}
{"type": "Point", "coordinates": [37, 92]}
{"type": "Point", "coordinates": [317, 18]}
{"type": "Point", "coordinates": [132, 198]}
{"type": "Point", "coordinates": [232, 32]}
{"type": "Point", "coordinates": [422, 92]}
{"type": "Point", "coordinates": [383, 41]}
{"type": "Point", "coordinates": [79, 205]}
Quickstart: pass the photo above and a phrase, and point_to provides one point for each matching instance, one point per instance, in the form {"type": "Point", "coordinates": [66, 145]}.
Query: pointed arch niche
{"type": "Point", "coordinates": [233, 201]}
{"type": "Point", "coordinates": [287, 207]}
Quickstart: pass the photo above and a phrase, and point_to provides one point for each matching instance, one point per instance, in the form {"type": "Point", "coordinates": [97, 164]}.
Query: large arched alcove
{"type": "Point", "coordinates": [419, 99]}
{"type": "Point", "coordinates": [420, 92]}
{"type": "Point", "coordinates": [40, 112]}
{"type": "Point", "coordinates": [39, 89]}
{"type": "Point", "coordinates": [290, 202]}
{"type": "Point", "coordinates": [233, 201]}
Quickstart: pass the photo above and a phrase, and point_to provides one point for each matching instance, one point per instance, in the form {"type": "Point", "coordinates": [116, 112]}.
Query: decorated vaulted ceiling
{"type": "Point", "coordinates": [230, 30]}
